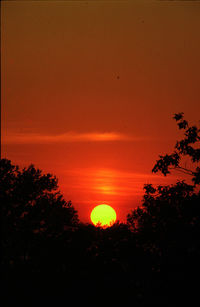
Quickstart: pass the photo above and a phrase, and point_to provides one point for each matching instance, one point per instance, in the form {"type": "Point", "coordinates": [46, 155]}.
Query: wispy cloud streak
{"type": "Point", "coordinates": [34, 138]}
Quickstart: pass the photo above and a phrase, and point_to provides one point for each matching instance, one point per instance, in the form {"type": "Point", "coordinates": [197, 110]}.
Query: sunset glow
{"type": "Point", "coordinates": [100, 152]}
{"type": "Point", "coordinates": [89, 92]}
{"type": "Point", "coordinates": [103, 215]}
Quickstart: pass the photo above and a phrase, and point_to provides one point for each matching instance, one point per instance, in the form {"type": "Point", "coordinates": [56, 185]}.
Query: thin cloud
{"type": "Point", "coordinates": [69, 137]}
{"type": "Point", "coordinates": [103, 174]}
{"type": "Point", "coordinates": [110, 182]}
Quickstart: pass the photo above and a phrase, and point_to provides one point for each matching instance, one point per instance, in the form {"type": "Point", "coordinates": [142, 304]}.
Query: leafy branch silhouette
{"type": "Point", "coordinates": [187, 147]}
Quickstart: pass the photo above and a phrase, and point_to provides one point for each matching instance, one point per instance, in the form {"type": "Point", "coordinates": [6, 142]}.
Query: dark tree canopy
{"type": "Point", "coordinates": [170, 214]}
{"type": "Point", "coordinates": [164, 204]}
{"type": "Point", "coordinates": [31, 204]}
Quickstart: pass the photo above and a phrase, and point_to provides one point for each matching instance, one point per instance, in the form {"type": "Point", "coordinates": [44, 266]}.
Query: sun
{"type": "Point", "coordinates": [103, 215]}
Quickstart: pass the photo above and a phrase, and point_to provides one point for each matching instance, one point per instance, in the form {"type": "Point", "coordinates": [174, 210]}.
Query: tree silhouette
{"type": "Point", "coordinates": [164, 204]}
{"type": "Point", "coordinates": [31, 206]}
{"type": "Point", "coordinates": [187, 147]}
{"type": "Point", "coordinates": [167, 222]}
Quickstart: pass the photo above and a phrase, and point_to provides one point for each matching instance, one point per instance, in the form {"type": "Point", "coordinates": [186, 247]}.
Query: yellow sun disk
{"type": "Point", "coordinates": [104, 215]}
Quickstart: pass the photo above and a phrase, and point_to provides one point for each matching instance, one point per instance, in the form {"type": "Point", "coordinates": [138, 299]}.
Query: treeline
{"type": "Point", "coordinates": [49, 256]}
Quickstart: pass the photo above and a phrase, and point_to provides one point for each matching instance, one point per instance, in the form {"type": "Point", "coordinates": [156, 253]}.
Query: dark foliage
{"type": "Point", "coordinates": [167, 224]}
{"type": "Point", "coordinates": [188, 147]}
{"type": "Point", "coordinates": [31, 207]}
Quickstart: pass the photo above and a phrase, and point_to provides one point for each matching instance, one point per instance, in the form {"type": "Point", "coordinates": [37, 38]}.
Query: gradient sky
{"type": "Point", "coordinates": [89, 89]}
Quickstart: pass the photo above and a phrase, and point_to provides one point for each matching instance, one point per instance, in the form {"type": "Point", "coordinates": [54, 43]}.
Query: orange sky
{"type": "Point", "coordinates": [89, 90]}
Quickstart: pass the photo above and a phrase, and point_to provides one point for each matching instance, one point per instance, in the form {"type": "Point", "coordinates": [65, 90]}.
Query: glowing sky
{"type": "Point", "coordinates": [89, 89]}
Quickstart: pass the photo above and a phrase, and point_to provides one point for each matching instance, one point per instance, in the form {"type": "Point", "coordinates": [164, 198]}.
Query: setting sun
{"type": "Point", "coordinates": [103, 215]}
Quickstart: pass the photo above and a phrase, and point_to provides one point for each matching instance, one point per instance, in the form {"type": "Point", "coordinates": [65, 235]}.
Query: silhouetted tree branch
{"type": "Point", "coordinates": [188, 147]}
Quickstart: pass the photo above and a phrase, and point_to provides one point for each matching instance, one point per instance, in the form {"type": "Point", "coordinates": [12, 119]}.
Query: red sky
{"type": "Point", "coordinates": [89, 90]}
